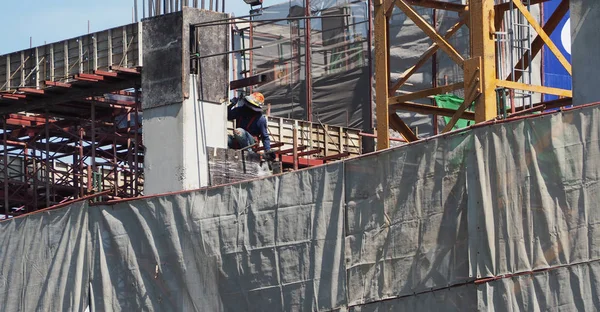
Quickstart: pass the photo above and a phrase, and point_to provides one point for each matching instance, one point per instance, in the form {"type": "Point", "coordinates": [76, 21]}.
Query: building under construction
{"type": "Point", "coordinates": [430, 156]}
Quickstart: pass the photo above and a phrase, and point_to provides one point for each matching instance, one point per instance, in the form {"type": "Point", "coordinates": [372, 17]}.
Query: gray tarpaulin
{"type": "Point", "coordinates": [44, 261]}
{"type": "Point", "coordinates": [407, 226]}
{"type": "Point", "coordinates": [534, 193]}
{"type": "Point", "coordinates": [411, 228]}
{"type": "Point", "coordinates": [269, 245]}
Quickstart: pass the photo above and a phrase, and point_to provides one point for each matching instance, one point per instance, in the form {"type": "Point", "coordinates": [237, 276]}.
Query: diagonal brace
{"type": "Point", "coordinates": [538, 43]}
{"type": "Point", "coordinates": [431, 32]}
{"type": "Point", "coordinates": [542, 34]}
{"type": "Point", "coordinates": [425, 57]}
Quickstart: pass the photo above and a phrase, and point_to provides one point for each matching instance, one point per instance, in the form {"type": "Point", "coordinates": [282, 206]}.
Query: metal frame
{"type": "Point", "coordinates": [70, 140]}
{"type": "Point", "coordinates": [481, 79]}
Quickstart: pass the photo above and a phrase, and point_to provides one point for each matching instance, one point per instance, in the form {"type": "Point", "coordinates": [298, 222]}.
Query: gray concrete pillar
{"type": "Point", "coordinates": [181, 113]}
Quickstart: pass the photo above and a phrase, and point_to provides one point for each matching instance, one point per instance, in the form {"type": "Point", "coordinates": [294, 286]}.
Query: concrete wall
{"type": "Point", "coordinates": [585, 35]}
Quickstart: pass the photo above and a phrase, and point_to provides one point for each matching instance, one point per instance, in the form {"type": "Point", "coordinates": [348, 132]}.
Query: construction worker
{"type": "Point", "coordinates": [250, 122]}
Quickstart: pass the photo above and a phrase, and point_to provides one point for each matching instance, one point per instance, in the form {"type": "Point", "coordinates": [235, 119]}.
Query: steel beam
{"type": "Point", "coordinates": [399, 125]}
{"type": "Point", "coordinates": [431, 32]}
{"type": "Point", "coordinates": [381, 74]}
{"type": "Point", "coordinates": [483, 47]}
{"type": "Point", "coordinates": [425, 57]}
{"type": "Point", "coordinates": [472, 91]}
{"type": "Point", "coordinates": [425, 93]}
{"type": "Point", "coordinates": [534, 88]}
{"type": "Point", "coordinates": [439, 5]}
{"type": "Point", "coordinates": [428, 110]}
{"type": "Point", "coordinates": [538, 43]}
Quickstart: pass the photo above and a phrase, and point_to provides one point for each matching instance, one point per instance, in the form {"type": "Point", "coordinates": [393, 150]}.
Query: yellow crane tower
{"type": "Point", "coordinates": [481, 79]}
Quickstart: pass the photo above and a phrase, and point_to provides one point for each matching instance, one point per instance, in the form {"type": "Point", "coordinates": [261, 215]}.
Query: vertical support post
{"type": "Point", "coordinates": [249, 72]}
{"type": "Point", "coordinates": [137, 142]}
{"type": "Point", "coordinates": [5, 152]}
{"type": "Point", "coordinates": [295, 145]}
{"type": "Point", "coordinates": [129, 158]}
{"type": "Point", "coordinates": [47, 160]}
{"type": "Point", "coordinates": [115, 159]}
{"type": "Point", "coordinates": [37, 68]}
{"type": "Point", "coordinates": [7, 72]}
{"type": "Point", "coordinates": [26, 176]}
{"type": "Point", "coordinates": [95, 47]}
{"type": "Point", "coordinates": [434, 82]}
{"type": "Point", "coordinates": [34, 174]}
{"type": "Point", "coordinates": [125, 47]}
{"type": "Point", "coordinates": [65, 60]}
{"type": "Point", "coordinates": [381, 75]}
{"type": "Point", "coordinates": [110, 49]}
{"type": "Point", "coordinates": [51, 62]}
{"type": "Point", "coordinates": [75, 171]}
{"type": "Point", "coordinates": [307, 61]}
{"type": "Point", "coordinates": [482, 45]}
{"type": "Point", "coordinates": [22, 70]}
{"type": "Point", "coordinates": [370, 55]}
{"type": "Point", "coordinates": [80, 43]}
{"type": "Point", "coordinates": [80, 163]}
{"type": "Point", "coordinates": [93, 139]}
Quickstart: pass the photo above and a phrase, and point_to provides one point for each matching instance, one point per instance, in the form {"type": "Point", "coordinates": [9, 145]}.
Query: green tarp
{"type": "Point", "coordinates": [453, 102]}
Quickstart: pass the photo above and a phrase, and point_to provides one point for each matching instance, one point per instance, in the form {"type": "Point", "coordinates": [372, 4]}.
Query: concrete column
{"type": "Point", "coordinates": [182, 116]}
{"type": "Point", "coordinates": [585, 36]}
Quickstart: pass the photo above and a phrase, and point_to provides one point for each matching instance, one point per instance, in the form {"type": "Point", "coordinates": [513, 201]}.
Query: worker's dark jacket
{"type": "Point", "coordinates": [253, 122]}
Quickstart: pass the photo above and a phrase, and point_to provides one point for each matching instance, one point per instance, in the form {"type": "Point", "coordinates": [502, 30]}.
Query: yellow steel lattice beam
{"type": "Point", "coordinates": [381, 74]}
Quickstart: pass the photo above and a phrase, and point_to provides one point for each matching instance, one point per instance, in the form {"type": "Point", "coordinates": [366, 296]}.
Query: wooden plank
{"type": "Point", "coordinates": [57, 84]}
{"type": "Point", "coordinates": [431, 32]}
{"type": "Point", "coordinates": [308, 153]}
{"type": "Point", "coordinates": [302, 162]}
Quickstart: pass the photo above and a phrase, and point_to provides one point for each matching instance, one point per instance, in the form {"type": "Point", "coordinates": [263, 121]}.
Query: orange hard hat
{"type": "Point", "coordinates": [256, 100]}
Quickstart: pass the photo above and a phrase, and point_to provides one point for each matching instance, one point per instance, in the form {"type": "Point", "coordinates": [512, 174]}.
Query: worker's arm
{"type": "Point", "coordinates": [233, 109]}
{"type": "Point", "coordinates": [264, 133]}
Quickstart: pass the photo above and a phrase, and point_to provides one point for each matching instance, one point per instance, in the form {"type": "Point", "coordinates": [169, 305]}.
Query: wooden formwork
{"type": "Point", "coordinates": [314, 140]}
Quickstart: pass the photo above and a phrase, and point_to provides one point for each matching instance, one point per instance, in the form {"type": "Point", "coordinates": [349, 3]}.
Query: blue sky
{"type": "Point", "coordinates": [51, 21]}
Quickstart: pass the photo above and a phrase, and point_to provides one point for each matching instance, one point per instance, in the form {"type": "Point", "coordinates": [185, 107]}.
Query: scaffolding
{"type": "Point", "coordinates": [71, 121]}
